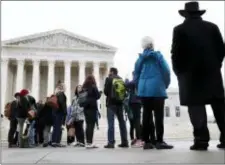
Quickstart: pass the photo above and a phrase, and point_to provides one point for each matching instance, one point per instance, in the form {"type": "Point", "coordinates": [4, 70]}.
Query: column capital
{"type": "Point", "coordinates": [4, 60]}
{"type": "Point", "coordinates": [96, 63]}
{"type": "Point", "coordinates": [67, 62]}
{"type": "Point", "coordinates": [20, 62]}
{"type": "Point", "coordinates": [51, 62]}
{"type": "Point", "coordinates": [82, 63]}
{"type": "Point", "coordinates": [36, 62]}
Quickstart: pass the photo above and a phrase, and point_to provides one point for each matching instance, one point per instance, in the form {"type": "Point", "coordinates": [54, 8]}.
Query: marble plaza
{"type": "Point", "coordinates": [180, 154]}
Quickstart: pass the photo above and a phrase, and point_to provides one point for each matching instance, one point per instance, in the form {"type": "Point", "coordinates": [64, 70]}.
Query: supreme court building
{"type": "Point", "coordinates": [36, 62]}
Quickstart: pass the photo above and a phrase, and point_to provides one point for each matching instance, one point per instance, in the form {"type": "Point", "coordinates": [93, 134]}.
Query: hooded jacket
{"type": "Point", "coordinates": [152, 74]}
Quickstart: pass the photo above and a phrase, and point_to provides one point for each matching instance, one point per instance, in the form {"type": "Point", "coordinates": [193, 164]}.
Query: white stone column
{"type": "Point", "coordinates": [51, 78]}
{"type": "Point", "coordinates": [96, 73]}
{"type": "Point", "coordinates": [67, 81]}
{"type": "Point", "coordinates": [19, 76]}
{"type": "Point", "coordinates": [4, 80]}
{"type": "Point", "coordinates": [81, 72]}
{"type": "Point", "coordinates": [109, 65]}
{"type": "Point", "coordinates": [36, 79]}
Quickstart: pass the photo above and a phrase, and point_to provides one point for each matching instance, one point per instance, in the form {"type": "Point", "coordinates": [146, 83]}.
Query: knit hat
{"type": "Point", "coordinates": [16, 94]}
{"type": "Point", "coordinates": [24, 92]}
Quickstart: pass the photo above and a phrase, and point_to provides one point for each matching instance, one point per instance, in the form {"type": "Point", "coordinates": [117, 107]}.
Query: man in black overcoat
{"type": "Point", "coordinates": [197, 54]}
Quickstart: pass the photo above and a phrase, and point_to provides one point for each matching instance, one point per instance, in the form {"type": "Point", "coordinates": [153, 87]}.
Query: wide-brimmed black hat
{"type": "Point", "coordinates": [191, 8]}
{"type": "Point", "coordinates": [16, 94]}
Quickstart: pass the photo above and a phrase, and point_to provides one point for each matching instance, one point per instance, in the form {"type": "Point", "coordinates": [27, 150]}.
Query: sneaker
{"type": "Point", "coordinates": [78, 144]}
{"type": "Point", "coordinates": [45, 145]}
{"type": "Point", "coordinates": [148, 146]}
{"type": "Point", "coordinates": [109, 146]}
{"type": "Point", "coordinates": [137, 144]}
{"type": "Point", "coordinates": [133, 142]}
{"type": "Point", "coordinates": [221, 146]}
{"type": "Point", "coordinates": [57, 145]}
{"type": "Point", "coordinates": [73, 144]}
{"type": "Point", "coordinates": [54, 145]}
{"type": "Point", "coordinates": [123, 145]}
{"type": "Point", "coordinates": [91, 146]}
{"type": "Point", "coordinates": [81, 145]}
{"type": "Point", "coordinates": [163, 145]}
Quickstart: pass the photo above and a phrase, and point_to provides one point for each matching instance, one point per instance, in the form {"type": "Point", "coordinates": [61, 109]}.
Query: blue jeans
{"type": "Point", "coordinates": [31, 139]}
{"type": "Point", "coordinates": [111, 112]}
{"type": "Point", "coordinates": [57, 124]}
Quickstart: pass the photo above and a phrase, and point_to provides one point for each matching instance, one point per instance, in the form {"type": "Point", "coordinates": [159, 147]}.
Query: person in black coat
{"type": "Point", "coordinates": [13, 122]}
{"type": "Point", "coordinates": [46, 122]}
{"type": "Point", "coordinates": [38, 128]}
{"type": "Point", "coordinates": [59, 116]}
{"type": "Point", "coordinates": [90, 108]}
{"type": "Point", "coordinates": [197, 54]}
{"type": "Point", "coordinates": [21, 115]}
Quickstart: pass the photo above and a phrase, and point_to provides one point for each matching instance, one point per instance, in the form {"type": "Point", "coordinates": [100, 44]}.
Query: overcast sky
{"type": "Point", "coordinates": [120, 24]}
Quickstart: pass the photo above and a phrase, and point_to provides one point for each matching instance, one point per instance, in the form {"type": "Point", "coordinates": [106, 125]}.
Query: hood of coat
{"type": "Point", "coordinates": [149, 53]}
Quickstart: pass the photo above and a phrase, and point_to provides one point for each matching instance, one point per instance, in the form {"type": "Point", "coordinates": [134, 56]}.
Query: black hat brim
{"type": "Point", "coordinates": [184, 13]}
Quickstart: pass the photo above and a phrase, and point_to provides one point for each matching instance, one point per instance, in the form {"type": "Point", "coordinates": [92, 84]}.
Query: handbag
{"type": "Point", "coordinates": [83, 98]}
{"type": "Point", "coordinates": [53, 102]}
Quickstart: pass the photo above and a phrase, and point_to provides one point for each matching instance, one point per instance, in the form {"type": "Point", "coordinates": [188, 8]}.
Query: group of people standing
{"type": "Point", "coordinates": [197, 54]}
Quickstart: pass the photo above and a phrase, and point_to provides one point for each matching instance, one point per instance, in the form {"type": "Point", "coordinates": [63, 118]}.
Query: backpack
{"type": "Point", "coordinates": [83, 98]}
{"type": "Point", "coordinates": [8, 110]}
{"type": "Point", "coordinates": [118, 90]}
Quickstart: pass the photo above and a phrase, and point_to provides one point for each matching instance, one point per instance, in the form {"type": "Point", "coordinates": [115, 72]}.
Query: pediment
{"type": "Point", "coordinates": [58, 39]}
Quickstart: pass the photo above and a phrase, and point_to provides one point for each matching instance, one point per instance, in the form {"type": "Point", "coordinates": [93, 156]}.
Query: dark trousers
{"type": "Point", "coordinates": [90, 118]}
{"type": "Point", "coordinates": [79, 131]}
{"type": "Point", "coordinates": [111, 112]}
{"type": "Point", "coordinates": [57, 125]}
{"type": "Point", "coordinates": [151, 105]}
{"type": "Point", "coordinates": [12, 131]}
{"type": "Point", "coordinates": [135, 122]}
{"type": "Point", "coordinates": [39, 129]}
{"type": "Point", "coordinates": [198, 117]}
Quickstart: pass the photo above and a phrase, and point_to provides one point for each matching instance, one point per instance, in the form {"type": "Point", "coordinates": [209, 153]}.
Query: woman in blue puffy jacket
{"type": "Point", "coordinates": [152, 77]}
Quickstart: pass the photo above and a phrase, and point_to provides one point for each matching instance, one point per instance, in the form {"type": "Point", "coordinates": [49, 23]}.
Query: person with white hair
{"type": "Point", "coordinates": [152, 77]}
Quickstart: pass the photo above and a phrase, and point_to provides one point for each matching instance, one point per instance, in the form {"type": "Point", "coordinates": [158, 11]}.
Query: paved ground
{"type": "Point", "coordinates": [180, 154]}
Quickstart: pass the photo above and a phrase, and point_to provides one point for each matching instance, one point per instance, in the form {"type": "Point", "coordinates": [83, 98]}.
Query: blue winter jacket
{"type": "Point", "coordinates": [152, 74]}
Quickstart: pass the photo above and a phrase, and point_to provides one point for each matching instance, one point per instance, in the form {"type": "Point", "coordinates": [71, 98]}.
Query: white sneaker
{"type": "Point", "coordinates": [73, 144]}
{"type": "Point", "coordinates": [91, 146]}
{"type": "Point", "coordinates": [137, 144]}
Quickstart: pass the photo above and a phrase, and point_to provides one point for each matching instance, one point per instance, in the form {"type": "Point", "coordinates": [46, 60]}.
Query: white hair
{"type": "Point", "coordinates": [60, 88]}
{"type": "Point", "coordinates": [147, 42]}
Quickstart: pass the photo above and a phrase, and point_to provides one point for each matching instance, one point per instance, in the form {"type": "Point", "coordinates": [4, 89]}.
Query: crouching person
{"type": "Point", "coordinates": [21, 115]}
{"type": "Point", "coordinates": [46, 122]}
